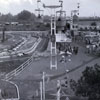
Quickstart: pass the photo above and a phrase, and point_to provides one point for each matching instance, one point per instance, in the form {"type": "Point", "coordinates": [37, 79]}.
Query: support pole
{"type": "Point", "coordinates": [58, 89]}
{"type": "Point", "coordinates": [71, 20]}
{"type": "Point", "coordinates": [53, 56]}
{"type": "Point", "coordinates": [0, 95]}
{"type": "Point", "coordinates": [43, 85]}
{"type": "Point", "coordinates": [41, 92]}
{"type": "Point", "coordinates": [3, 34]}
{"type": "Point", "coordinates": [53, 60]}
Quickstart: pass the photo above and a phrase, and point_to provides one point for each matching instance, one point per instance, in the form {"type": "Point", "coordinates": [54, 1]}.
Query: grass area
{"type": "Point", "coordinates": [8, 90]}
{"type": "Point", "coordinates": [6, 67]}
{"type": "Point", "coordinates": [43, 45]}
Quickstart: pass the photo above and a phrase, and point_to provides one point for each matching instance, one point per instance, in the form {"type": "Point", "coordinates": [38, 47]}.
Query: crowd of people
{"type": "Point", "coordinates": [67, 52]}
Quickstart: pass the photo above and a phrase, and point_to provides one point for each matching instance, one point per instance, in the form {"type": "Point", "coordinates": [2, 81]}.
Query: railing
{"type": "Point", "coordinates": [30, 50]}
{"type": "Point", "coordinates": [17, 90]}
{"type": "Point", "coordinates": [24, 65]}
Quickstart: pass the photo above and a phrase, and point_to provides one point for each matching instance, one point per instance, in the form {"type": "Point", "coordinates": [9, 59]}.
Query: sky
{"type": "Point", "coordinates": [87, 7]}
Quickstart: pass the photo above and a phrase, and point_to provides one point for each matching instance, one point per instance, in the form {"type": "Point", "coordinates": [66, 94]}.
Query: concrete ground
{"type": "Point", "coordinates": [28, 80]}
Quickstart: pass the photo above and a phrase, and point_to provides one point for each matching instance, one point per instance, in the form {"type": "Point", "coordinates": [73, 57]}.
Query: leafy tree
{"type": "Point", "coordinates": [81, 29]}
{"type": "Point", "coordinates": [47, 25]}
{"type": "Point", "coordinates": [6, 17]}
{"type": "Point", "coordinates": [90, 29]}
{"type": "Point", "coordinates": [93, 24]}
{"type": "Point", "coordinates": [95, 28]}
{"type": "Point", "coordinates": [33, 17]}
{"type": "Point", "coordinates": [86, 29]}
{"type": "Point", "coordinates": [24, 15]}
{"type": "Point", "coordinates": [89, 83]}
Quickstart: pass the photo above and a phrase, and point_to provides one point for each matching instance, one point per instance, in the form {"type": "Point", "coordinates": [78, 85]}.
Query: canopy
{"type": "Point", "coordinates": [62, 38]}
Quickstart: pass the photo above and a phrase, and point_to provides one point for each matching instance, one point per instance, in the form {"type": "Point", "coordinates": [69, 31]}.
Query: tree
{"type": "Point", "coordinates": [67, 27]}
{"type": "Point", "coordinates": [86, 29]}
{"type": "Point", "coordinates": [90, 29]}
{"type": "Point", "coordinates": [6, 17]}
{"type": "Point", "coordinates": [93, 24]}
{"type": "Point", "coordinates": [89, 83]}
{"type": "Point", "coordinates": [24, 15]}
{"type": "Point", "coordinates": [81, 29]}
{"type": "Point", "coordinates": [3, 34]}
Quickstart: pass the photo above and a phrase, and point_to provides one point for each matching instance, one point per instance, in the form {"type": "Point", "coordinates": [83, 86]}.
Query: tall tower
{"type": "Point", "coordinates": [53, 57]}
{"type": "Point", "coordinates": [53, 52]}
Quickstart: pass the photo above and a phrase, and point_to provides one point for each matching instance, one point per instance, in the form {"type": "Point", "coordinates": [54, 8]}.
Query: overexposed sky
{"type": "Point", "coordinates": [87, 7]}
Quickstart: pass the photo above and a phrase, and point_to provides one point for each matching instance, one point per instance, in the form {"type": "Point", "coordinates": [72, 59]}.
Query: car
{"type": "Point", "coordinates": [20, 54]}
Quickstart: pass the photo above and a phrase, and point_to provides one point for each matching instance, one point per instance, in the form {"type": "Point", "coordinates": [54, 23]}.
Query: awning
{"type": "Point", "coordinates": [62, 38]}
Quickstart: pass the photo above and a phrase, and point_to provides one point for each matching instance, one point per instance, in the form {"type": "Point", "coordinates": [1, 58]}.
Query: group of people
{"type": "Point", "coordinates": [68, 52]}
{"type": "Point", "coordinates": [92, 48]}
{"type": "Point", "coordinates": [73, 50]}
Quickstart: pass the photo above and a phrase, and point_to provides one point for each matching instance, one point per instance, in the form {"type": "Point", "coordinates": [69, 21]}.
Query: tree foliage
{"type": "Point", "coordinates": [93, 24]}
{"type": "Point", "coordinates": [89, 83]}
{"type": "Point", "coordinates": [7, 17]}
{"type": "Point", "coordinates": [24, 15]}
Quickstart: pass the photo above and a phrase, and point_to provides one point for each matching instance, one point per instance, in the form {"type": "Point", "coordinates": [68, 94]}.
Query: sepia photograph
{"type": "Point", "coordinates": [49, 49]}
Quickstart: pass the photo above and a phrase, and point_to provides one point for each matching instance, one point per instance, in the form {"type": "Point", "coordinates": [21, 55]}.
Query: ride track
{"type": "Point", "coordinates": [51, 77]}
{"type": "Point", "coordinates": [42, 46]}
{"type": "Point", "coordinates": [36, 46]}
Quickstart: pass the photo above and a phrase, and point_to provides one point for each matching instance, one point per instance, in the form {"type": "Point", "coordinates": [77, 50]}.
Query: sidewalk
{"type": "Point", "coordinates": [43, 64]}
{"type": "Point", "coordinates": [34, 71]}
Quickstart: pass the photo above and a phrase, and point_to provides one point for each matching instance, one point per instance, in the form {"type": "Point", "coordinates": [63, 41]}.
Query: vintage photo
{"type": "Point", "coordinates": [49, 50]}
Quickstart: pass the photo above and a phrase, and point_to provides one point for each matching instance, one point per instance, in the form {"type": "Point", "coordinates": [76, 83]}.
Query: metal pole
{"type": "Point", "coordinates": [37, 93]}
{"type": "Point", "coordinates": [58, 90]}
{"type": "Point", "coordinates": [0, 95]}
{"type": "Point", "coordinates": [43, 85]}
{"type": "Point", "coordinates": [53, 63]}
{"type": "Point", "coordinates": [41, 88]}
{"type": "Point", "coordinates": [71, 20]}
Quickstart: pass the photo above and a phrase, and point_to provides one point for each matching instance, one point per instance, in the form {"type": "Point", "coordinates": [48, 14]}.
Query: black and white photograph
{"type": "Point", "coordinates": [49, 49]}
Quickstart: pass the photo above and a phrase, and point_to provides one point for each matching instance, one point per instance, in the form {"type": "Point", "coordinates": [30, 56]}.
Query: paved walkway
{"type": "Point", "coordinates": [43, 64]}
{"type": "Point", "coordinates": [76, 66]}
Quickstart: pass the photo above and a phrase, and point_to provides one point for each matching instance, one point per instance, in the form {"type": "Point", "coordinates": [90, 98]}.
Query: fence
{"type": "Point", "coordinates": [24, 65]}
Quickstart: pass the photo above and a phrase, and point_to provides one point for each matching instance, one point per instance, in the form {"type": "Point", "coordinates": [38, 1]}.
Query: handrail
{"type": "Point", "coordinates": [16, 71]}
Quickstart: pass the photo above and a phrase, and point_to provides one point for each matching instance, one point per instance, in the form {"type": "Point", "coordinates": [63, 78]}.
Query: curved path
{"type": "Point", "coordinates": [79, 62]}
{"type": "Point", "coordinates": [27, 80]}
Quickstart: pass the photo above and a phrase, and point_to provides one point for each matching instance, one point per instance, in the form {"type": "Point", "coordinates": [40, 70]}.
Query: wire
{"type": "Point", "coordinates": [46, 9]}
